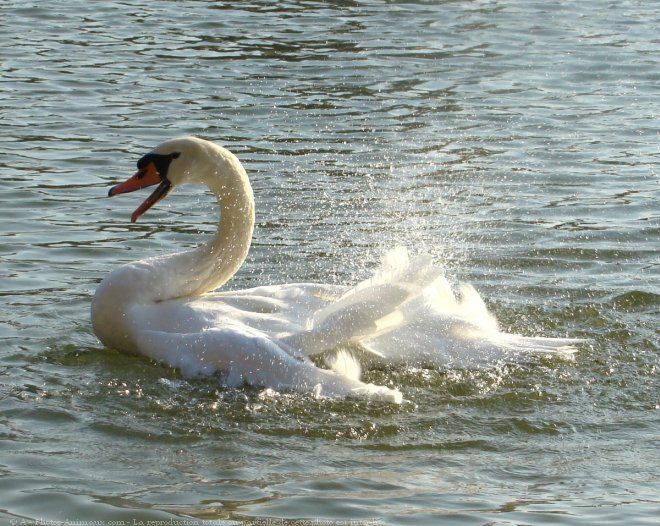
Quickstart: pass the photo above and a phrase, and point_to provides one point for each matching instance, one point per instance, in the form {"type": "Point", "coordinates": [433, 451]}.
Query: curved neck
{"type": "Point", "coordinates": [185, 274]}
{"type": "Point", "coordinates": [212, 264]}
{"type": "Point", "coordinates": [220, 258]}
{"type": "Point", "coordinates": [205, 268]}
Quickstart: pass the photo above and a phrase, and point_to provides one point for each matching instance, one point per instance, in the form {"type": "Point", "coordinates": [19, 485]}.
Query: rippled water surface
{"type": "Point", "coordinates": [516, 142]}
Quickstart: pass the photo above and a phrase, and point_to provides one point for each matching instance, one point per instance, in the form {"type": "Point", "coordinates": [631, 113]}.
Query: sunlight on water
{"type": "Point", "coordinates": [514, 143]}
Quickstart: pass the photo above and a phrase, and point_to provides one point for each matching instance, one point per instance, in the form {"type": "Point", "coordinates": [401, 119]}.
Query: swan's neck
{"type": "Point", "coordinates": [185, 274]}
{"type": "Point", "coordinates": [212, 264]}
{"type": "Point", "coordinates": [216, 261]}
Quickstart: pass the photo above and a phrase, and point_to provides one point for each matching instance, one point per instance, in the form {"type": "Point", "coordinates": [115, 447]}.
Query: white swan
{"type": "Point", "coordinates": [161, 306]}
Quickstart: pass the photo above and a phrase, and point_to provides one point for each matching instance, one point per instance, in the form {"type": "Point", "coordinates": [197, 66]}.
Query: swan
{"type": "Point", "coordinates": [165, 307]}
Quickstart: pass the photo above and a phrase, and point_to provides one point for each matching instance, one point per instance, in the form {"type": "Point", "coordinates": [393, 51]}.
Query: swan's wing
{"type": "Point", "coordinates": [438, 328]}
{"type": "Point", "coordinates": [248, 357]}
{"type": "Point", "coordinates": [274, 309]}
{"type": "Point", "coordinates": [364, 310]}
{"type": "Point", "coordinates": [398, 279]}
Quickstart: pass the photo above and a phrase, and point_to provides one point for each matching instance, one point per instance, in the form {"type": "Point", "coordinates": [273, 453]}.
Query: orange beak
{"type": "Point", "coordinates": [147, 176]}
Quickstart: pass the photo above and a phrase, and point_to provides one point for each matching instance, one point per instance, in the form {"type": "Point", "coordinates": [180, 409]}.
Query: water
{"type": "Point", "coordinates": [516, 142]}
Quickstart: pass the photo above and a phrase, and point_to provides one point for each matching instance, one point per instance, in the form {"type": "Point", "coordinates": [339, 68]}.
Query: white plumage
{"type": "Point", "coordinates": [161, 307]}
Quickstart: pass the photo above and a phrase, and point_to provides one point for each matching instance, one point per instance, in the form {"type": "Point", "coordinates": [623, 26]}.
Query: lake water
{"type": "Point", "coordinates": [516, 142]}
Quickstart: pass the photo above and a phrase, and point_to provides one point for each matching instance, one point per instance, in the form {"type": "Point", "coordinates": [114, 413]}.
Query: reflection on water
{"type": "Point", "coordinates": [517, 144]}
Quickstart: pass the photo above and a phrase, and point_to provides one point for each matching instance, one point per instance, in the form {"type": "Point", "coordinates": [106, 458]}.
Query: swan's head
{"type": "Point", "coordinates": [170, 164]}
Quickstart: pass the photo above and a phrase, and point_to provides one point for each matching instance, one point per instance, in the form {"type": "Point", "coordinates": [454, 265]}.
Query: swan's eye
{"type": "Point", "coordinates": [160, 161]}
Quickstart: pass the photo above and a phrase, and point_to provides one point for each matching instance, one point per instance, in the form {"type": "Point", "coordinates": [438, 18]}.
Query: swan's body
{"type": "Point", "coordinates": [161, 307]}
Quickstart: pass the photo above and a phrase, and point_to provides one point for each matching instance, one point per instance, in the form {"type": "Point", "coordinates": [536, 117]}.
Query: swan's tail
{"type": "Point", "coordinates": [440, 328]}
{"type": "Point", "coordinates": [408, 313]}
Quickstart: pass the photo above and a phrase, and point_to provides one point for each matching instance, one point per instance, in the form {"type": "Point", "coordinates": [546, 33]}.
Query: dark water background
{"type": "Point", "coordinates": [516, 142]}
